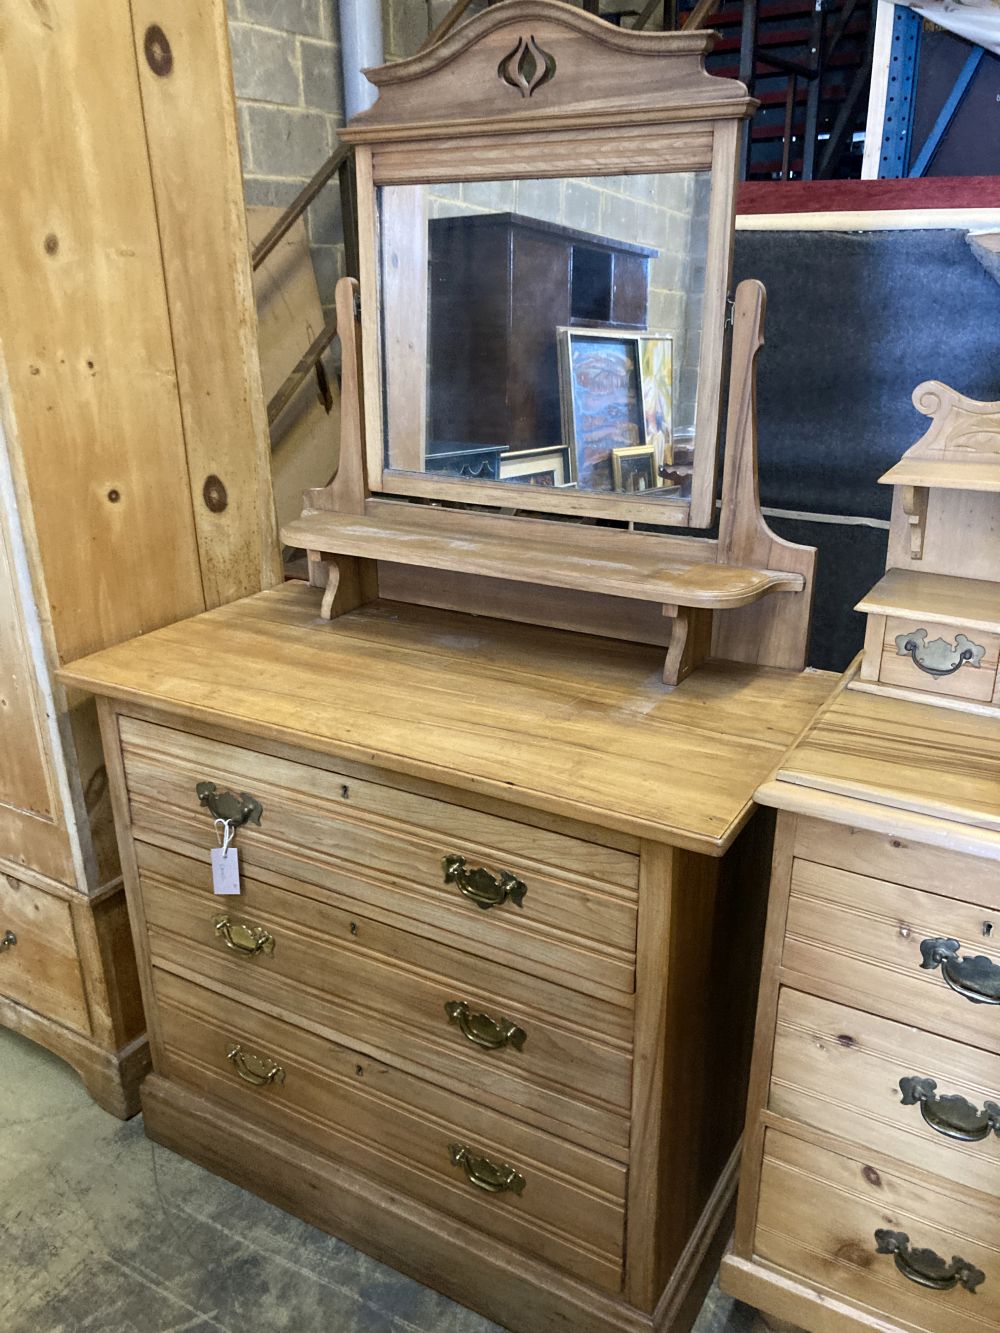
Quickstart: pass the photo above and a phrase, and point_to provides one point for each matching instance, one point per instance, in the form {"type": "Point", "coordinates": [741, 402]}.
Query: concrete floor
{"type": "Point", "coordinates": [102, 1231]}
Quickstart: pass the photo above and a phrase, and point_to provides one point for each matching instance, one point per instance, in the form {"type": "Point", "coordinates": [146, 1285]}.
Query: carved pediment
{"type": "Point", "coordinates": [527, 63]}
{"type": "Point", "coordinates": [961, 450]}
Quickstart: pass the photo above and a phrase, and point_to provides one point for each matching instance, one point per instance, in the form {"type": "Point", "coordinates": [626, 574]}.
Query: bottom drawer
{"type": "Point", "coordinates": [926, 1257]}
{"type": "Point", "coordinates": [39, 965]}
{"type": "Point", "coordinates": [506, 1179]}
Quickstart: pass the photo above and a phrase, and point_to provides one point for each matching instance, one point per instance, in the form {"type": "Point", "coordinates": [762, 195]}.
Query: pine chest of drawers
{"type": "Point", "coordinates": [870, 1189]}
{"type": "Point", "coordinates": [483, 1004]}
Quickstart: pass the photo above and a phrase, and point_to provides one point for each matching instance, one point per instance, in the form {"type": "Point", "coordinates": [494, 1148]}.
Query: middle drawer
{"type": "Point", "coordinates": [510, 1037]}
{"type": "Point", "coordinates": [889, 1088]}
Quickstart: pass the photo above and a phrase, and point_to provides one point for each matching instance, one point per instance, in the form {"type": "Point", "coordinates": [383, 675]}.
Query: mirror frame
{"type": "Point", "coordinates": [538, 89]}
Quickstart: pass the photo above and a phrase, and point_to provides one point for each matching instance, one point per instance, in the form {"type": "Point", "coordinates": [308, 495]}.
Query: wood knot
{"type": "Point", "coordinates": [872, 1176]}
{"type": "Point", "coordinates": [51, 243]}
{"type": "Point", "coordinates": [853, 1253]}
{"type": "Point", "coordinates": [844, 1039]}
{"type": "Point", "coordinates": [214, 494]}
{"type": "Point", "coordinates": [159, 56]}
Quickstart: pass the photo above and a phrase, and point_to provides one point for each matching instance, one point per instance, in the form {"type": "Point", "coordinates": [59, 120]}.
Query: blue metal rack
{"type": "Point", "coordinates": [897, 127]}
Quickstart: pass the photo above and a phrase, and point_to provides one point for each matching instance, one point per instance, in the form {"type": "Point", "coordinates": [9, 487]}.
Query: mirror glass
{"type": "Point", "coordinates": [545, 332]}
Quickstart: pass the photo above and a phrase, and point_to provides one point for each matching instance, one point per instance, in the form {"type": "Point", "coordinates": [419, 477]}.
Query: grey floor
{"type": "Point", "coordinates": [102, 1231]}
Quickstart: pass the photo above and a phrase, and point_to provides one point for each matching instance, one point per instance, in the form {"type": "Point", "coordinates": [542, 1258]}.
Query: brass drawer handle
{"type": "Point", "coordinates": [227, 806]}
{"type": "Point", "coordinates": [926, 1268]}
{"type": "Point", "coordinates": [244, 937]}
{"type": "Point", "coordinates": [256, 1069]}
{"type": "Point", "coordinates": [482, 888]}
{"type": "Point", "coordinates": [482, 1030]}
{"type": "Point", "coordinates": [974, 978]}
{"type": "Point", "coordinates": [493, 1177]}
{"type": "Point", "coordinates": [8, 941]}
{"type": "Point", "coordinates": [951, 1116]}
{"type": "Point", "coordinates": [939, 658]}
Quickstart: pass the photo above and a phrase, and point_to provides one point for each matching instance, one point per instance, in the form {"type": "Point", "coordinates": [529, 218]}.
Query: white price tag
{"type": "Point", "coordinates": [225, 861]}
{"type": "Point", "coordinates": [225, 870]}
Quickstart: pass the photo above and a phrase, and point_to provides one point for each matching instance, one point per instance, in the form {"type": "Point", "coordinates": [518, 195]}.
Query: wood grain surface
{"type": "Point", "coordinates": [578, 726]}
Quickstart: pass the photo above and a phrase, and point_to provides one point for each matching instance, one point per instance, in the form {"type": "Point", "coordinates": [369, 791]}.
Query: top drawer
{"type": "Point", "coordinates": [576, 918]}
{"type": "Point", "coordinates": [917, 957]}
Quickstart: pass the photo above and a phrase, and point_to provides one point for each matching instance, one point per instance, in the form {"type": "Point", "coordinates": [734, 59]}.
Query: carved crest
{"type": "Point", "coordinates": [962, 447]}
{"type": "Point", "coordinates": [527, 67]}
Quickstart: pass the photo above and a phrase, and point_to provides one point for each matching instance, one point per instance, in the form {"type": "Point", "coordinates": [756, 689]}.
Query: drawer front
{"type": "Point", "coordinates": [533, 1191]}
{"type": "Point", "coordinates": [889, 1088]}
{"type": "Point", "coordinates": [939, 659]}
{"type": "Point", "coordinates": [901, 948]}
{"type": "Point", "coordinates": [818, 1216]}
{"type": "Point", "coordinates": [39, 965]}
{"type": "Point", "coordinates": [389, 847]}
{"type": "Point", "coordinates": [563, 1053]}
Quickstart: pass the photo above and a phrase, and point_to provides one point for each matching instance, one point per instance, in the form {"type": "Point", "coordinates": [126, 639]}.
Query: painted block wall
{"type": "Point", "coordinates": [290, 107]}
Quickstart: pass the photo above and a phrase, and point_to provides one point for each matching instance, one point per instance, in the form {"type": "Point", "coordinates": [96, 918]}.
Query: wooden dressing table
{"type": "Point", "coordinates": [483, 1004]}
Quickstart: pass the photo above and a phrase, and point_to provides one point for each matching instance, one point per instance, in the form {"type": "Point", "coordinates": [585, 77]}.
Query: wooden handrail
{"type": "Point", "coordinates": [298, 206]}
{"type": "Point", "coordinates": [306, 364]}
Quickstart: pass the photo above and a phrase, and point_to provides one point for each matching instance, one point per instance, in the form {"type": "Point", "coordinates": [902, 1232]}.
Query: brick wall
{"type": "Point", "coordinates": [290, 104]}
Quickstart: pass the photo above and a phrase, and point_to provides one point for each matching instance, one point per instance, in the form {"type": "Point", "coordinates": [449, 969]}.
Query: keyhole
{"type": "Point", "coordinates": [345, 792]}
{"type": "Point", "coordinates": [987, 929]}
{"type": "Point", "coordinates": [354, 927]}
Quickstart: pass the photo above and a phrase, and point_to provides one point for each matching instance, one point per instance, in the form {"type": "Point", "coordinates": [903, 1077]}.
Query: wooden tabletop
{"type": "Point", "coordinates": [919, 769]}
{"type": "Point", "coordinates": [563, 722]}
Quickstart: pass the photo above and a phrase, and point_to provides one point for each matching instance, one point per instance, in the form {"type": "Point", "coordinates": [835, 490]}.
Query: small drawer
{"type": "Point", "coordinates": [922, 1257]}
{"type": "Point", "coordinates": [39, 964]}
{"type": "Point", "coordinates": [460, 1020]}
{"type": "Point", "coordinates": [542, 902]}
{"type": "Point", "coordinates": [889, 1088]}
{"type": "Point", "coordinates": [483, 1169]}
{"type": "Point", "coordinates": [916, 957]}
{"type": "Point", "coordinates": [938, 658]}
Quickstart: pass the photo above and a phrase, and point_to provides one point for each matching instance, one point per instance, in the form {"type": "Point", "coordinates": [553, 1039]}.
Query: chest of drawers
{"type": "Point", "coordinates": [870, 1189]}
{"type": "Point", "coordinates": [482, 1006]}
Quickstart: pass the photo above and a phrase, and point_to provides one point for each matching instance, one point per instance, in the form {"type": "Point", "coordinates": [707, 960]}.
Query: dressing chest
{"type": "Point", "coordinates": [483, 1004]}
{"type": "Point", "coordinates": [871, 1172]}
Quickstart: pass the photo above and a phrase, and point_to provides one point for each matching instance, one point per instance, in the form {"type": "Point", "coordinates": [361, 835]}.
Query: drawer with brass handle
{"type": "Point", "coordinates": [400, 1130]}
{"type": "Point", "coordinates": [482, 887]}
{"type": "Point", "coordinates": [492, 1034]}
{"type": "Point", "coordinates": [484, 1174]}
{"type": "Point", "coordinates": [924, 1267]}
{"type": "Point", "coordinates": [252, 1067]}
{"type": "Point", "coordinates": [937, 658]}
{"type": "Point", "coordinates": [543, 902]}
{"type": "Point", "coordinates": [888, 1087]}
{"type": "Point", "coordinates": [244, 937]}
{"type": "Point", "coordinates": [515, 1041]}
{"type": "Point", "coordinates": [830, 1218]}
{"type": "Point", "coordinates": [39, 958]}
{"type": "Point", "coordinates": [976, 979]}
{"type": "Point", "coordinates": [899, 948]}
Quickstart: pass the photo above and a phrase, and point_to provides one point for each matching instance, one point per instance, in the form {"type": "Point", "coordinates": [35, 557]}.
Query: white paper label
{"type": "Point", "coordinates": [225, 870]}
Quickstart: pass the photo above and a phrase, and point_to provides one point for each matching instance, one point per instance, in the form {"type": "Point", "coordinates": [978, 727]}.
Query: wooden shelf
{"type": "Point", "coordinates": [971, 474]}
{"type": "Point", "coordinates": [975, 603]}
{"type": "Point", "coordinates": [646, 568]}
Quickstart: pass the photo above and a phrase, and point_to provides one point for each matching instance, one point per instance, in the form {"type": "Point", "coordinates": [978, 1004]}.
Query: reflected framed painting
{"type": "Point", "coordinates": [552, 466]}
{"type": "Point", "coordinates": [616, 392]}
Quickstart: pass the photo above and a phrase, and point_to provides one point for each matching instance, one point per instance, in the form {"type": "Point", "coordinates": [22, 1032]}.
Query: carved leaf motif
{"type": "Point", "coordinates": [527, 67]}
